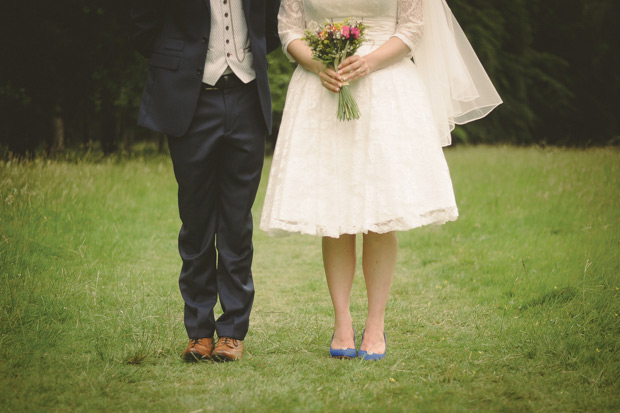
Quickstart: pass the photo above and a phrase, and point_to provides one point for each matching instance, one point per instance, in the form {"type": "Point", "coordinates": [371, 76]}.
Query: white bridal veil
{"type": "Point", "coordinates": [459, 87]}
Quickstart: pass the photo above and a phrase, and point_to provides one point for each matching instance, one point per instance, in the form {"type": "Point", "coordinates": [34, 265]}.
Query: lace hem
{"type": "Point", "coordinates": [436, 217]}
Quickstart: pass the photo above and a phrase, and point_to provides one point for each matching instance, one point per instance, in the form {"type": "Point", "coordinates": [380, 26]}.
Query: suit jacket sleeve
{"type": "Point", "coordinates": [271, 25]}
{"type": "Point", "coordinates": [146, 22]}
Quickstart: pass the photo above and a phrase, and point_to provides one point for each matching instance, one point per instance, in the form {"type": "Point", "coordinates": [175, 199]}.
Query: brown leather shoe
{"type": "Point", "coordinates": [228, 349]}
{"type": "Point", "coordinates": [199, 349]}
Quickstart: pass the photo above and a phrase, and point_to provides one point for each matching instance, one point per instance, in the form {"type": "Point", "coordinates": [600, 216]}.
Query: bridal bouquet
{"type": "Point", "coordinates": [331, 44]}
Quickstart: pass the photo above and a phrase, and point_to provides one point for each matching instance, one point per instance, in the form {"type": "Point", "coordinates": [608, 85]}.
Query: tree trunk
{"type": "Point", "coordinates": [126, 132]}
{"type": "Point", "coordinates": [58, 130]}
{"type": "Point", "coordinates": [109, 142]}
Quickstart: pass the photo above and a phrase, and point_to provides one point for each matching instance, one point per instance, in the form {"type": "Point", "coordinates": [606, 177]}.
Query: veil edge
{"type": "Point", "coordinates": [459, 88]}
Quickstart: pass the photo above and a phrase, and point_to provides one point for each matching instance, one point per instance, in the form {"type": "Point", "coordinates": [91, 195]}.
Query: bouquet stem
{"type": "Point", "coordinates": [347, 107]}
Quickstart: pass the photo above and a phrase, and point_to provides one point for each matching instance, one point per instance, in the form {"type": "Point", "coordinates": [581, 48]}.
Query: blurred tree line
{"type": "Point", "coordinates": [70, 79]}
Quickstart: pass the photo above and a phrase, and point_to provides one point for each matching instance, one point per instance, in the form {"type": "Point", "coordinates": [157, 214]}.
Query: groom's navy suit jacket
{"type": "Point", "coordinates": [174, 35]}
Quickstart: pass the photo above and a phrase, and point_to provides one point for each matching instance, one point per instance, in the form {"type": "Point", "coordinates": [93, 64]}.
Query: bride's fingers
{"type": "Point", "coordinates": [356, 70]}
{"type": "Point", "coordinates": [332, 74]}
{"type": "Point", "coordinates": [356, 74]}
{"type": "Point", "coordinates": [344, 66]}
{"type": "Point", "coordinates": [329, 82]}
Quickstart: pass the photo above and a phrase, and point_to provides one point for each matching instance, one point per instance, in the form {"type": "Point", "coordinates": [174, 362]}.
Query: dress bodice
{"type": "Point", "coordinates": [319, 10]}
{"type": "Point", "coordinates": [384, 18]}
{"type": "Point", "coordinates": [380, 17]}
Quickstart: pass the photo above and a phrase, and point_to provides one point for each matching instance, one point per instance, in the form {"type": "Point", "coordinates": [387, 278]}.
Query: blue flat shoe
{"type": "Point", "coordinates": [343, 353]}
{"type": "Point", "coordinates": [370, 355]}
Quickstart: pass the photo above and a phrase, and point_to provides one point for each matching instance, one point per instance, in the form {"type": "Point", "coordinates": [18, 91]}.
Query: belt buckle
{"type": "Point", "coordinates": [224, 82]}
{"type": "Point", "coordinates": [228, 80]}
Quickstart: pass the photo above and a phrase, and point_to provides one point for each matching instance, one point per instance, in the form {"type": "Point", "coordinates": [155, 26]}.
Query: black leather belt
{"type": "Point", "coordinates": [224, 82]}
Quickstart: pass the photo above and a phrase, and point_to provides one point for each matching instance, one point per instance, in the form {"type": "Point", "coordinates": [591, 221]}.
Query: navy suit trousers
{"type": "Point", "coordinates": [217, 165]}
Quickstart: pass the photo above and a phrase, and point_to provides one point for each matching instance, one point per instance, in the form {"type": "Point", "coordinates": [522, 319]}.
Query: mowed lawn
{"type": "Point", "coordinates": [514, 307]}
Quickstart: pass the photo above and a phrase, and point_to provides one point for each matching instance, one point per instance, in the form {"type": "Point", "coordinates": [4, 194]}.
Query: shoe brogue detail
{"type": "Point", "coordinates": [199, 349]}
{"type": "Point", "coordinates": [228, 349]}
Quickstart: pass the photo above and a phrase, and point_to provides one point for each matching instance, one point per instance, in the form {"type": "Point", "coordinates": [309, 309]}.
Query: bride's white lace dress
{"type": "Point", "coordinates": [383, 172]}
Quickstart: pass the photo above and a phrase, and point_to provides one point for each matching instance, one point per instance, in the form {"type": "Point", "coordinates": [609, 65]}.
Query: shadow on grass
{"type": "Point", "coordinates": [551, 298]}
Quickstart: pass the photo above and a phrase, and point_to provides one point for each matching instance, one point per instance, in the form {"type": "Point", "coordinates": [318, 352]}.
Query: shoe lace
{"type": "Point", "coordinates": [194, 341]}
{"type": "Point", "coordinates": [230, 342]}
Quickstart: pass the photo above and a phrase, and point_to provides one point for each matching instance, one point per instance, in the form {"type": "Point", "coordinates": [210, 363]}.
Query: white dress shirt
{"type": "Point", "coordinates": [229, 44]}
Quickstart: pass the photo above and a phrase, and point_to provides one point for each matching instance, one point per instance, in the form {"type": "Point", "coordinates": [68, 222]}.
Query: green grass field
{"type": "Point", "coordinates": [514, 307]}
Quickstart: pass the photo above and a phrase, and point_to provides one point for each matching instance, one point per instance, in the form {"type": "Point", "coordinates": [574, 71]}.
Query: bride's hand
{"type": "Point", "coordinates": [353, 68]}
{"type": "Point", "coordinates": [331, 80]}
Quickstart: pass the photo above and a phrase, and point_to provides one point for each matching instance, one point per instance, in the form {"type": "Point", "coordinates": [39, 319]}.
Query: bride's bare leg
{"type": "Point", "coordinates": [378, 261]}
{"type": "Point", "coordinates": [339, 262]}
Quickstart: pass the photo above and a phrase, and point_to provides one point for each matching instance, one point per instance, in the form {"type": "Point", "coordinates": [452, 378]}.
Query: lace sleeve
{"type": "Point", "coordinates": [410, 22]}
{"type": "Point", "coordinates": [290, 23]}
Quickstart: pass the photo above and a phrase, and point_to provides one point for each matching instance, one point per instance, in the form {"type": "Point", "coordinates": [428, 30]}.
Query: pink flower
{"type": "Point", "coordinates": [356, 32]}
{"type": "Point", "coordinates": [346, 31]}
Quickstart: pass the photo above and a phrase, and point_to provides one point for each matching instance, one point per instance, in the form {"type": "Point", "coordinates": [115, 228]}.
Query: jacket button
{"type": "Point", "coordinates": [204, 39]}
{"type": "Point", "coordinates": [199, 72]}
